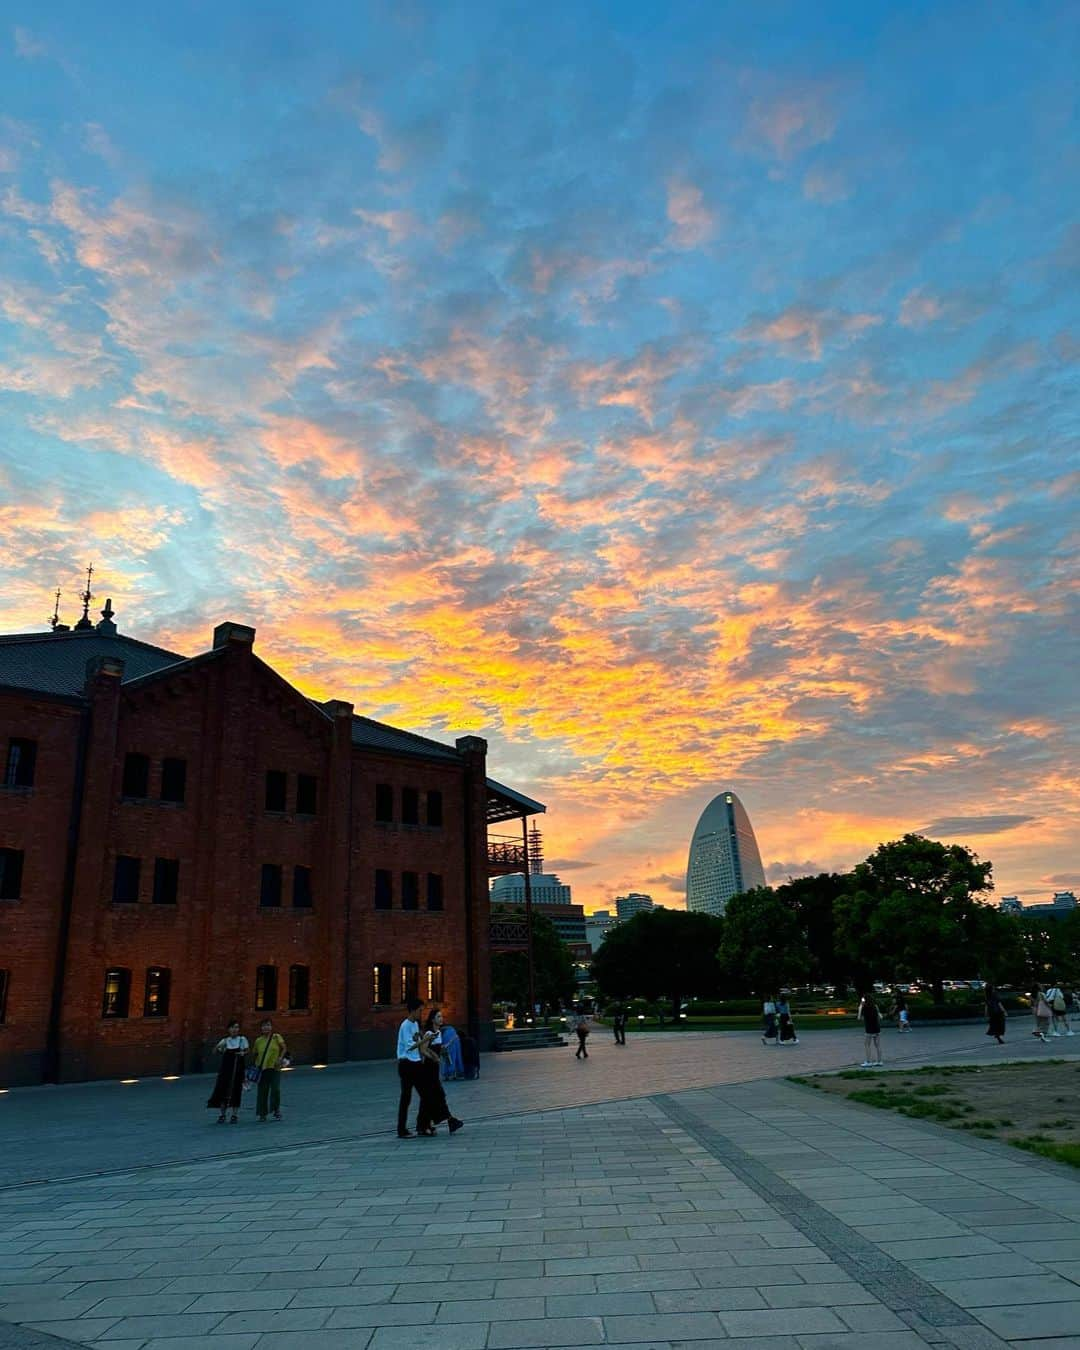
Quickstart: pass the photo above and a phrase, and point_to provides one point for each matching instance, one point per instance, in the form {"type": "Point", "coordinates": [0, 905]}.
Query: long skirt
{"type": "Point", "coordinates": [433, 1107]}
{"type": "Point", "coordinates": [229, 1087]}
{"type": "Point", "coordinates": [996, 1022]}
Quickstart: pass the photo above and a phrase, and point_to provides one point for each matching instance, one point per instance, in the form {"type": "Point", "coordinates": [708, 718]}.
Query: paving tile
{"type": "Point", "coordinates": [227, 1341]}
{"type": "Point", "coordinates": [348, 1295]}
{"type": "Point", "coordinates": [352, 1339]}
{"type": "Point", "coordinates": [183, 1324]}
{"type": "Point", "coordinates": [545, 1332]}
{"type": "Point", "coordinates": [1025, 1322]}
{"type": "Point", "coordinates": [1000, 1290]}
{"type": "Point", "coordinates": [462, 1336]}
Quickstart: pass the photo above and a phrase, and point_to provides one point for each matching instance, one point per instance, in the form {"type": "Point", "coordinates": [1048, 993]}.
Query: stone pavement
{"type": "Point", "coordinates": [51, 1132]}
{"type": "Point", "coordinates": [755, 1214]}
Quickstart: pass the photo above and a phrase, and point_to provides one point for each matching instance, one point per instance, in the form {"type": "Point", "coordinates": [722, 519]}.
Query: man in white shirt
{"type": "Point", "coordinates": [408, 1063]}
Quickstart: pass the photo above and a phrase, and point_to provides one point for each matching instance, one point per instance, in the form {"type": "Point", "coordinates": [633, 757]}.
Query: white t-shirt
{"type": "Point", "coordinates": [406, 1040]}
{"type": "Point", "coordinates": [235, 1042]}
{"type": "Point", "coordinates": [769, 1008]}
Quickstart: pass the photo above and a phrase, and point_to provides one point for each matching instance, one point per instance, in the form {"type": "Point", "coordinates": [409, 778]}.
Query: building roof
{"type": "Point", "coordinates": [379, 736]}
{"type": "Point", "coordinates": [55, 663]}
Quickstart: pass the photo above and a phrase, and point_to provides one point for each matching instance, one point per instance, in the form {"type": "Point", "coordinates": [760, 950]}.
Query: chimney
{"type": "Point", "coordinates": [240, 633]}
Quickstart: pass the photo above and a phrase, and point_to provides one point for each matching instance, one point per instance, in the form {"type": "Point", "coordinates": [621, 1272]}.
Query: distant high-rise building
{"type": "Point", "coordinates": [724, 857]}
{"type": "Point", "coordinates": [551, 895]}
{"type": "Point", "coordinates": [1010, 904]}
{"type": "Point", "coordinates": [626, 906]}
{"type": "Point", "coordinates": [1063, 903]}
{"type": "Point", "coordinates": [597, 927]}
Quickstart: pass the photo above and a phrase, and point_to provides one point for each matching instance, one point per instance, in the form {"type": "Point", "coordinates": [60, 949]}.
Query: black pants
{"type": "Point", "coordinates": [433, 1108]}
{"type": "Point", "coordinates": [408, 1072]}
{"type": "Point", "coordinates": [620, 1033]}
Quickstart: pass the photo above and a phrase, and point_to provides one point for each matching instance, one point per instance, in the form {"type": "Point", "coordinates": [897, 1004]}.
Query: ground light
{"type": "Point", "coordinates": [129, 1080]}
{"type": "Point", "coordinates": [318, 1066]}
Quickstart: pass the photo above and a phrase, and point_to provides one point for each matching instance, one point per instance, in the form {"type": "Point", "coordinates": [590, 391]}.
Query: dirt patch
{"type": "Point", "coordinates": [1032, 1106]}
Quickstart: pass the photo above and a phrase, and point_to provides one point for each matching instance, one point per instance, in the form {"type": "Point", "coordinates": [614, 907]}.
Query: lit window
{"type": "Point", "coordinates": [156, 1001]}
{"type": "Point", "coordinates": [266, 988]}
{"type": "Point", "coordinates": [410, 981]}
{"type": "Point", "coordinates": [381, 982]}
{"type": "Point", "coordinates": [435, 982]}
{"type": "Point", "coordinates": [117, 994]}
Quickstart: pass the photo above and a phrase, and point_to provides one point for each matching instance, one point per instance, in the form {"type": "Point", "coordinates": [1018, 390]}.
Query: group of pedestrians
{"type": "Point", "coordinates": [1052, 1008]}
{"type": "Point", "coordinates": [244, 1066]}
{"type": "Point", "coordinates": [779, 1026]}
{"type": "Point", "coordinates": [419, 1060]}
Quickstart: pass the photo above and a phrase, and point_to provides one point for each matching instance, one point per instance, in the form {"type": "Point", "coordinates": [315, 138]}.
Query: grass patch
{"type": "Point", "coordinates": [992, 1101]}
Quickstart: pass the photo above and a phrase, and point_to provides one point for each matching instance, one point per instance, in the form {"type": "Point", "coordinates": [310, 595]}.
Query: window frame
{"type": "Point", "coordinates": [433, 818]}
{"type": "Point", "coordinates": [137, 765]}
{"type": "Point", "coordinates": [410, 980]}
{"type": "Point", "coordinates": [312, 782]}
{"type": "Point", "coordinates": [436, 893]}
{"type": "Point", "coordinates": [436, 981]}
{"type": "Point", "coordinates": [384, 802]}
{"type": "Point", "coordinates": [178, 771]}
{"type": "Point", "coordinates": [410, 890]}
{"type": "Point", "coordinates": [163, 867]}
{"type": "Point", "coordinates": [294, 980]}
{"type": "Point", "coordinates": [377, 986]}
{"type": "Point", "coordinates": [126, 867]}
{"type": "Point", "coordinates": [276, 778]}
{"type": "Point", "coordinates": [299, 870]}
{"type": "Point", "coordinates": [384, 892]}
{"type": "Point", "coordinates": [275, 871]}
{"type": "Point", "coordinates": [110, 1012]}
{"type": "Point", "coordinates": [164, 991]}
{"type": "Point", "coordinates": [12, 864]}
{"type": "Point", "coordinates": [410, 806]}
{"type": "Point", "coordinates": [266, 983]}
{"type": "Point", "coordinates": [16, 774]}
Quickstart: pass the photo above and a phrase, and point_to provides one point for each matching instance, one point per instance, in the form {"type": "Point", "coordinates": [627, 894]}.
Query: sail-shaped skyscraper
{"type": "Point", "coordinates": [724, 857]}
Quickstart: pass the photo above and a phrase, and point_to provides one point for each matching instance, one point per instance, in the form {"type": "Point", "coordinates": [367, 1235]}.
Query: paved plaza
{"type": "Point", "coordinates": [677, 1193]}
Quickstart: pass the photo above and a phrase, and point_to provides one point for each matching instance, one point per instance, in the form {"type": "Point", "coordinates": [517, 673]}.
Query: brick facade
{"type": "Point", "coordinates": [231, 720]}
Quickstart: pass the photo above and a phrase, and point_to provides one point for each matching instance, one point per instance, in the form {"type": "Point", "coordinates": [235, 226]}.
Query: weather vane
{"type": "Point", "coordinates": [54, 618]}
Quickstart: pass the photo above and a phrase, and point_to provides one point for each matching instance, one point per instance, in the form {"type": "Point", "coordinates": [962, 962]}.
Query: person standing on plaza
{"type": "Point", "coordinates": [1040, 1006]}
{"type": "Point", "coordinates": [269, 1053]}
{"type": "Point", "coordinates": [900, 1011]}
{"type": "Point", "coordinates": [433, 1108]}
{"type": "Point", "coordinates": [788, 1034]}
{"type": "Point", "coordinates": [229, 1085]}
{"type": "Point", "coordinates": [1059, 1023]}
{"type": "Point", "coordinates": [581, 1030]}
{"type": "Point", "coordinates": [995, 1015]}
{"type": "Point", "coordinates": [871, 1020]}
{"type": "Point", "coordinates": [618, 1024]}
{"type": "Point", "coordinates": [768, 1012]}
{"type": "Point", "coordinates": [408, 1063]}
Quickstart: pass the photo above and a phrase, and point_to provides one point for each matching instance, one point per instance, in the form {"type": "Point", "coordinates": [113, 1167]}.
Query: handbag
{"type": "Point", "coordinates": [253, 1072]}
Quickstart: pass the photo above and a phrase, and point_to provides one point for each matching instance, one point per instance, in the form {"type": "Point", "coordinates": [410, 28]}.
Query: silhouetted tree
{"type": "Point", "coordinates": [661, 953]}
{"type": "Point", "coordinates": [763, 944]}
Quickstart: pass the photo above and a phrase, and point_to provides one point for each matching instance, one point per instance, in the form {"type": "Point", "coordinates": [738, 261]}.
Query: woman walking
{"type": "Point", "coordinates": [768, 1011]}
{"type": "Point", "coordinates": [1043, 1013]}
{"type": "Point", "coordinates": [871, 1020]}
{"type": "Point", "coordinates": [995, 1015]}
{"type": "Point", "coordinates": [433, 1108]}
{"type": "Point", "coordinates": [788, 1035]}
{"type": "Point", "coordinates": [581, 1030]}
{"type": "Point", "coordinates": [229, 1086]}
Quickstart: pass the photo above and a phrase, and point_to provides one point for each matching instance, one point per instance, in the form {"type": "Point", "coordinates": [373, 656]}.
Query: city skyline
{"type": "Point", "coordinates": [673, 397]}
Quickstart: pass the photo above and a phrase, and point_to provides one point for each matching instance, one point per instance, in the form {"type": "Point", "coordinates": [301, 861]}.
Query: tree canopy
{"type": "Point", "coordinates": [763, 944]}
{"type": "Point", "coordinates": [661, 953]}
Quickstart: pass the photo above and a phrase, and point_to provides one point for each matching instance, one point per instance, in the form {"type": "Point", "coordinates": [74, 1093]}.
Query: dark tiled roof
{"type": "Point", "coordinates": [55, 663]}
{"type": "Point", "coordinates": [379, 736]}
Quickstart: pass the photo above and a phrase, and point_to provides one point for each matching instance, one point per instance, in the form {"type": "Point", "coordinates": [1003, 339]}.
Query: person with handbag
{"type": "Point", "coordinates": [270, 1053]}
{"type": "Point", "coordinates": [229, 1084]}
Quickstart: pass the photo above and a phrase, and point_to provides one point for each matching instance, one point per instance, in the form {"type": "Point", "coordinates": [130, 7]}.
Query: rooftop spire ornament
{"type": "Point", "coordinates": [87, 595]}
{"type": "Point", "coordinates": [54, 618]}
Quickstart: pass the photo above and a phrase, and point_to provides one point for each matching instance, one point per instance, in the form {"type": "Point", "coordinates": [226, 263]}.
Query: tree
{"type": "Point", "coordinates": [911, 911]}
{"type": "Point", "coordinates": [553, 970]}
{"type": "Point", "coordinates": [813, 901]}
{"type": "Point", "coordinates": [763, 944]}
{"type": "Point", "coordinates": [660, 953]}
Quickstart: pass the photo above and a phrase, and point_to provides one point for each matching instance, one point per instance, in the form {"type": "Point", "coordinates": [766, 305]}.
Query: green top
{"type": "Point", "coordinates": [275, 1052]}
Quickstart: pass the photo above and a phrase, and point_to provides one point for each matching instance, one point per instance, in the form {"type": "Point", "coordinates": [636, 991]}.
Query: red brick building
{"type": "Point", "coordinates": [184, 840]}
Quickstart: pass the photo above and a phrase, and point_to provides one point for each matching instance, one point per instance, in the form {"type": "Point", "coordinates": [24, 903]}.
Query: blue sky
{"type": "Point", "coordinates": [682, 396]}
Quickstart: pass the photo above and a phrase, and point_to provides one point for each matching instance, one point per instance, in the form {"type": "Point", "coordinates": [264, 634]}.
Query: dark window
{"type": "Point", "coordinates": [277, 784]}
{"type": "Point", "coordinates": [136, 782]}
{"type": "Point", "coordinates": [434, 890]}
{"type": "Point", "coordinates": [173, 779]}
{"type": "Point", "coordinates": [156, 1000]}
{"type": "Point", "coordinates": [410, 806]}
{"type": "Point", "coordinates": [270, 886]}
{"type": "Point", "coordinates": [384, 802]}
{"type": "Point", "coordinates": [21, 758]}
{"type": "Point", "coordinates": [125, 889]}
{"type": "Point", "coordinates": [117, 995]}
{"type": "Point", "coordinates": [384, 889]}
{"type": "Point", "coordinates": [301, 888]}
{"type": "Point", "coordinates": [381, 982]}
{"type": "Point", "coordinates": [299, 984]}
{"type": "Point", "coordinates": [5, 980]}
{"type": "Point", "coordinates": [410, 981]}
{"type": "Point", "coordinates": [266, 988]}
{"type": "Point", "coordinates": [307, 791]}
{"type": "Point", "coordinates": [435, 982]}
{"type": "Point", "coordinates": [410, 890]}
{"type": "Point", "coordinates": [434, 808]}
{"type": "Point", "coordinates": [166, 880]}
{"type": "Point", "coordinates": [11, 864]}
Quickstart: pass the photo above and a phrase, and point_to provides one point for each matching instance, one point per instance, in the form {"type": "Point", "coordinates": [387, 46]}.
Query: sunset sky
{"type": "Point", "coordinates": [683, 396]}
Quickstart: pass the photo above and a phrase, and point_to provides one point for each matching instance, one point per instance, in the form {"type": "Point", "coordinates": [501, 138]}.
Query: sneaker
{"type": "Point", "coordinates": [234, 1119]}
{"type": "Point", "coordinates": [455, 1124]}
{"type": "Point", "coordinates": [795, 1041]}
{"type": "Point", "coordinates": [277, 1115]}
{"type": "Point", "coordinates": [866, 1064]}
